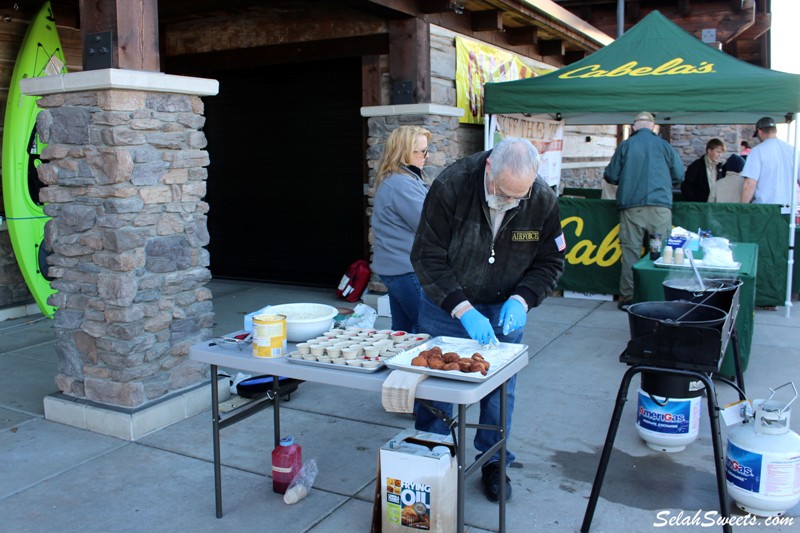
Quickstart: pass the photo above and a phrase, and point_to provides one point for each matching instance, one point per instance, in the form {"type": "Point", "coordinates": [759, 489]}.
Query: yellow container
{"type": "Point", "coordinates": [269, 335]}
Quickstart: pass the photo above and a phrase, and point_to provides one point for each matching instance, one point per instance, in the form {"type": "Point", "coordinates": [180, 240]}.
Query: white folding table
{"type": "Point", "coordinates": [460, 393]}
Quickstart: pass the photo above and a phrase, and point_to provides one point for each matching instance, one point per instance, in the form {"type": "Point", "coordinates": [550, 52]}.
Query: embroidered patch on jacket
{"type": "Point", "coordinates": [561, 243]}
{"type": "Point", "coordinates": [521, 236]}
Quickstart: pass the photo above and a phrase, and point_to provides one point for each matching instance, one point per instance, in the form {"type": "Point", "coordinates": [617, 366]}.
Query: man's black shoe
{"type": "Point", "coordinates": [623, 304]}
{"type": "Point", "coordinates": [490, 479]}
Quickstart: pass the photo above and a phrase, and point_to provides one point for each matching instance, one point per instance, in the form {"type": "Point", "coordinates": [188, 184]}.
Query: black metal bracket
{"type": "Point", "coordinates": [402, 92]}
{"type": "Point", "coordinates": [97, 51]}
{"type": "Point", "coordinates": [449, 421]}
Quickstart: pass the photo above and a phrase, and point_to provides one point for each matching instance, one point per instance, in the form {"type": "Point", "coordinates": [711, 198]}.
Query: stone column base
{"type": "Point", "coordinates": [19, 311]}
{"type": "Point", "coordinates": [131, 423]}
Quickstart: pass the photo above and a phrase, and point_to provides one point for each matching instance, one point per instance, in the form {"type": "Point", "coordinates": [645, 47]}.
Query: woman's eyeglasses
{"type": "Point", "coordinates": [423, 152]}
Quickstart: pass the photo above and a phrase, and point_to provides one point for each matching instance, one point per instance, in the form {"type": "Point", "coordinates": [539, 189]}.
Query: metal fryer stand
{"type": "Point", "coordinates": [729, 332]}
{"type": "Point", "coordinates": [716, 439]}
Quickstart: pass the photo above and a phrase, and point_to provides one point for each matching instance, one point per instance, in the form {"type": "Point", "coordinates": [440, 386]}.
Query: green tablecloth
{"type": "Point", "coordinates": [591, 228]}
{"type": "Point", "coordinates": [648, 282]}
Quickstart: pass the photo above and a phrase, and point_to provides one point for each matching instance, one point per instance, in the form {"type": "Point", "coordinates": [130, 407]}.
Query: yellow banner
{"type": "Point", "coordinates": [478, 63]}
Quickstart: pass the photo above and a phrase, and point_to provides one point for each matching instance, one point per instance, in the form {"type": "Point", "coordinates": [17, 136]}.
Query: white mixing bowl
{"type": "Point", "coordinates": [304, 320]}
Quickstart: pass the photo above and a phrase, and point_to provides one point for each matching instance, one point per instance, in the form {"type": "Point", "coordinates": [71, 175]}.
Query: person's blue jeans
{"type": "Point", "coordinates": [404, 295]}
{"type": "Point", "coordinates": [437, 322]}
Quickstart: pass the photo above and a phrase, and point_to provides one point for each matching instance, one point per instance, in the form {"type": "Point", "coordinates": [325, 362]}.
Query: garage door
{"type": "Point", "coordinates": [285, 184]}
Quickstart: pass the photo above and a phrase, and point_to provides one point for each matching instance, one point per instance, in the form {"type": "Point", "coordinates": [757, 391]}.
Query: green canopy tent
{"type": "Point", "coordinates": [654, 66]}
{"type": "Point", "coordinates": [658, 67]}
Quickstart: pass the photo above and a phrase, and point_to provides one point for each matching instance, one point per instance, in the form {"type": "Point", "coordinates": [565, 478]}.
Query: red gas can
{"type": "Point", "coordinates": [287, 459]}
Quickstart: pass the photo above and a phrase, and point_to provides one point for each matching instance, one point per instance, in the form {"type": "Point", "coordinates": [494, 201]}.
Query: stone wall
{"type": "Point", "coordinates": [583, 164]}
{"type": "Point", "coordinates": [587, 151]}
{"type": "Point", "coordinates": [13, 290]}
{"type": "Point", "coordinates": [125, 183]}
{"type": "Point", "coordinates": [690, 140]}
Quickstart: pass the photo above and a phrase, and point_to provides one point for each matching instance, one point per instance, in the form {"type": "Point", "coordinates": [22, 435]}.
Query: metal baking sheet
{"type": "Point", "coordinates": [699, 263]}
{"type": "Point", "coordinates": [343, 368]}
{"type": "Point", "coordinates": [498, 357]}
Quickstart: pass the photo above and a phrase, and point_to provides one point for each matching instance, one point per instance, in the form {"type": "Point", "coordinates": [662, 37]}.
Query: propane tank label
{"type": "Point", "coordinates": [672, 418]}
{"type": "Point", "coordinates": [771, 474]}
{"type": "Point", "coordinates": [743, 468]}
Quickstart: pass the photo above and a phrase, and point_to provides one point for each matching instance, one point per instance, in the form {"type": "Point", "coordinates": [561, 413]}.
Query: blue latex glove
{"type": "Point", "coordinates": [478, 327]}
{"type": "Point", "coordinates": [512, 316]}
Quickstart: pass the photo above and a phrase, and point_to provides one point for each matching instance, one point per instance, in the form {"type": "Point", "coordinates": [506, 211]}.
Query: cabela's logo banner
{"type": "Point", "coordinates": [593, 256]}
{"type": "Point", "coordinates": [632, 68]}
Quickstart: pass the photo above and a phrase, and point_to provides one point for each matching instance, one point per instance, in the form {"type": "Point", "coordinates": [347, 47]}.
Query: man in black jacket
{"type": "Point", "coordinates": [489, 246]}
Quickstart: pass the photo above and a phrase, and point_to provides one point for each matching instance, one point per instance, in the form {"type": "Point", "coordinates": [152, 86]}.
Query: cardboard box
{"type": "Point", "coordinates": [418, 477]}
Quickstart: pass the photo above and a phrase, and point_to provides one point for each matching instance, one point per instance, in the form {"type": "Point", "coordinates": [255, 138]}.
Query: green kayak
{"type": "Point", "coordinates": [39, 55]}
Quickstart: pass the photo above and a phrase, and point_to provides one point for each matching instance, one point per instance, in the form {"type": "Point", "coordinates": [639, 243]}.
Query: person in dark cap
{"type": "Point", "coordinates": [645, 167]}
{"type": "Point", "coordinates": [768, 173]}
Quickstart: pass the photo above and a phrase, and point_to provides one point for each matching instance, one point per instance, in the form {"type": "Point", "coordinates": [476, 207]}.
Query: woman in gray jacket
{"type": "Point", "coordinates": [400, 193]}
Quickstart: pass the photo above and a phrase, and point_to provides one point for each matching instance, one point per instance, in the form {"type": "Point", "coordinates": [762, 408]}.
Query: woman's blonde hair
{"type": "Point", "coordinates": [398, 150]}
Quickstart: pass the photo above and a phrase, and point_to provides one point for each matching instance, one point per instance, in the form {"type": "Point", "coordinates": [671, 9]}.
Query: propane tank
{"type": "Point", "coordinates": [668, 412]}
{"type": "Point", "coordinates": [762, 466]}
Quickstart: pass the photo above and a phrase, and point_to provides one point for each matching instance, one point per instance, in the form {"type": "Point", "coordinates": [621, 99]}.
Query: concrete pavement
{"type": "Point", "coordinates": [58, 478]}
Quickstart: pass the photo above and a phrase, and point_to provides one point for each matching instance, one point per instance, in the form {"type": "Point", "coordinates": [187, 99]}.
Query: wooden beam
{"type": "Point", "coordinates": [684, 7]}
{"type": "Point", "coordinates": [434, 6]}
{"type": "Point", "coordinates": [522, 36]}
{"type": "Point", "coordinates": [489, 20]}
{"type": "Point", "coordinates": [261, 56]}
{"type": "Point", "coordinates": [554, 47]}
{"type": "Point", "coordinates": [574, 55]}
{"type": "Point", "coordinates": [632, 11]}
{"type": "Point", "coordinates": [410, 57]}
{"type": "Point", "coordinates": [370, 80]}
{"type": "Point", "coordinates": [760, 27]}
{"type": "Point", "coordinates": [133, 27]}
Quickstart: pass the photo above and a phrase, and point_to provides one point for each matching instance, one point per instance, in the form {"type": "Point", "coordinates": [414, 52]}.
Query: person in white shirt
{"type": "Point", "coordinates": [768, 171]}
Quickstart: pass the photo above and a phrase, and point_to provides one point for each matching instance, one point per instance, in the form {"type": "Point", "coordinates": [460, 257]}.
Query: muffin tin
{"type": "Point", "coordinates": [355, 349]}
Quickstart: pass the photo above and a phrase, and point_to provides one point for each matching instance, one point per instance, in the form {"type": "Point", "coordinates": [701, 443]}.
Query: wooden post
{"type": "Point", "coordinates": [410, 57]}
{"type": "Point", "coordinates": [133, 26]}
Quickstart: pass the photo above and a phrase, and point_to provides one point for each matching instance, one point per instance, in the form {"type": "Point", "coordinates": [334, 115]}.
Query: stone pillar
{"type": "Point", "coordinates": [125, 176]}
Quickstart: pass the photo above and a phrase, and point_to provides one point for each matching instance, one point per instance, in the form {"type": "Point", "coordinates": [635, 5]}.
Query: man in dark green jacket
{"type": "Point", "coordinates": [646, 168]}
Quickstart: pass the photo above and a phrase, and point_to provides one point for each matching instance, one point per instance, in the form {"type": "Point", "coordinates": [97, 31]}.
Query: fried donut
{"type": "Point", "coordinates": [450, 357]}
{"type": "Point", "coordinates": [435, 350]}
{"type": "Point", "coordinates": [479, 366]}
{"type": "Point", "coordinates": [419, 361]}
{"type": "Point", "coordinates": [478, 357]}
{"type": "Point", "coordinates": [435, 362]}
{"type": "Point", "coordinates": [451, 366]}
{"type": "Point", "coordinates": [465, 364]}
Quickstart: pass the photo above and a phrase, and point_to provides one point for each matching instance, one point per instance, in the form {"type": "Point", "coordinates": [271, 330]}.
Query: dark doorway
{"type": "Point", "coordinates": [285, 184]}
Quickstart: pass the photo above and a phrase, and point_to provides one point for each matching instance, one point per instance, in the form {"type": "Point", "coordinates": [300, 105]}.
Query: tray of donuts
{"type": "Point", "coordinates": [456, 358]}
